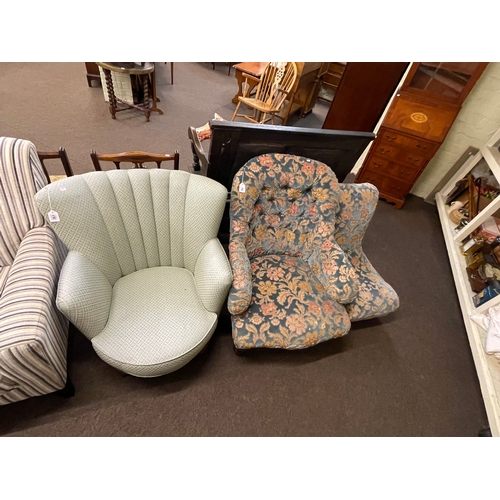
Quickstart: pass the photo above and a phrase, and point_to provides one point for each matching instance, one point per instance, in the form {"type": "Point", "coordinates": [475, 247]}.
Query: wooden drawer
{"type": "Point", "coordinates": [394, 152]}
{"type": "Point", "coordinates": [386, 185]}
{"type": "Point", "coordinates": [382, 166]}
{"type": "Point", "coordinates": [419, 146]}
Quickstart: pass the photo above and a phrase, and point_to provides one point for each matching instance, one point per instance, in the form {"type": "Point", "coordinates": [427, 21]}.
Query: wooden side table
{"type": "Point", "coordinates": [144, 72]}
{"type": "Point", "coordinates": [253, 69]}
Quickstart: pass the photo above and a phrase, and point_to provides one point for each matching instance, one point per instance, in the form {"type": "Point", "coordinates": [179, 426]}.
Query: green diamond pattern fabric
{"type": "Point", "coordinates": [156, 322]}
{"type": "Point", "coordinates": [143, 246]}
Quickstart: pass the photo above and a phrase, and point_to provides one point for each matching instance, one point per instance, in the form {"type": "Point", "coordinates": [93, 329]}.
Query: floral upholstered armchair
{"type": "Point", "coordinates": [299, 274]}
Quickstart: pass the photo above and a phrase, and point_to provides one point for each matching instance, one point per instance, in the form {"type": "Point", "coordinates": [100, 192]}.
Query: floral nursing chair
{"type": "Point", "coordinates": [299, 274]}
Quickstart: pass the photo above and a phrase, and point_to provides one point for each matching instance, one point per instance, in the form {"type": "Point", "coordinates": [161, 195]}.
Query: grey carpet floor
{"type": "Point", "coordinates": [408, 374]}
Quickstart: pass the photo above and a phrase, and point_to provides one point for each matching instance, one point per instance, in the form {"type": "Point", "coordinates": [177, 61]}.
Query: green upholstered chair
{"type": "Point", "coordinates": [300, 274]}
{"type": "Point", "coordinates": [145, 277]}
{"type": "Point", "coordinates": [33, 333]}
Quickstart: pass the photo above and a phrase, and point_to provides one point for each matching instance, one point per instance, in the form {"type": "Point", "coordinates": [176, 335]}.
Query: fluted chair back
{"type": "Point", "coordinates": [127, 220]}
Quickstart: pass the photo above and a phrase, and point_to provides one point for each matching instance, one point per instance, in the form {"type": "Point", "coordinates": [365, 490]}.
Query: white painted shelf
{"type": "Point", "coordinates": [487, 366]}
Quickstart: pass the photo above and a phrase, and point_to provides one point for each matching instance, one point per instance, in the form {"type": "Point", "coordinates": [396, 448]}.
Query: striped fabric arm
{"type": "Point", "coordinates": [33, 333]}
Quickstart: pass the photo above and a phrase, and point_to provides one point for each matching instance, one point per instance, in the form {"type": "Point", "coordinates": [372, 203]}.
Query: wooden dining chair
{"type": "Point", "coordinates": [55, 155]}
{"type": "Point", "coordinates": [138, 158]}
{"type": "Point", "coordinates": [273, 88]}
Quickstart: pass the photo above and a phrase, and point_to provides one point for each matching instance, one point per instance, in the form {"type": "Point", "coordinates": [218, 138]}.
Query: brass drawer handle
{"type": "Point", "coordinates": [383, 151]}
{"type": "Point", "coordinates": [421, 147]}
{"type": "Point", "coordinates": [389, 138]}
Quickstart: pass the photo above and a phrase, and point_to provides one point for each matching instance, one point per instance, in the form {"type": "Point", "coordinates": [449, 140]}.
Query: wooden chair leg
{"type": "Point", "coordinates": [235, 111]}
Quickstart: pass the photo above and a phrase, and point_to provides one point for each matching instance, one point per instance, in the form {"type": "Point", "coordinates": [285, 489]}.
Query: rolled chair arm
{"type": "Point", "coordinates": [84, 294]}
{"type": "Point", "coordinates": [212, 275]}
{"type": "Point", "coordinates": [240, 295]}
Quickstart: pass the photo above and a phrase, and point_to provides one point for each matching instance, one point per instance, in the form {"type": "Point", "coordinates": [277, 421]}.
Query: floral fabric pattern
{"type": "Point", "coordinates": [285, 207]}
{"type": "Point", "coordinates": [375, 297]}
{"type": "Point", "coordinates": [291, 211]}
{"type": "Point", "coordinates": [289, 308]}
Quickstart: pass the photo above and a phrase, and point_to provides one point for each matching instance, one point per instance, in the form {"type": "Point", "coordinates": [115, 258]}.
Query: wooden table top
{"type": "Point", "coordinates": [128, 68]}
{"type": "Point", "coordinates": [252, 68]}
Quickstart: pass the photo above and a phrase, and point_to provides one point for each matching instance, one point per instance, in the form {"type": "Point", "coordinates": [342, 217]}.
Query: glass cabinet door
{"type": "Point", "coordinates": [445, 81]}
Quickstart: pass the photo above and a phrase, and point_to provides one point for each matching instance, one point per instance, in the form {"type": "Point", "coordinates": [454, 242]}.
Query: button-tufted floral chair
{"type": "Point", "coordinates": [299, 273]}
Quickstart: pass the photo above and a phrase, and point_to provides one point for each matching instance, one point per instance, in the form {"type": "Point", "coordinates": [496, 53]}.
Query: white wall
{"type": "Point", "coordinates": [477, 121]}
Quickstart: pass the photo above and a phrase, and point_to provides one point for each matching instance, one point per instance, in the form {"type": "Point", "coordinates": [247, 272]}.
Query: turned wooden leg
{"type": "Point", "coordinates": [145, 89]}
{"type": "Point", "coordinates": [236, 111]}
{"type": "Point", "coordinates": [154, 96]}
{"type": "Point", "coordinates": [111, 93]}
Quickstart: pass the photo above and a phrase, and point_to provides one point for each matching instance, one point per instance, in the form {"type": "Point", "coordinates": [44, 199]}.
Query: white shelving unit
{"type": "Point", "coordinates": [487, 366]}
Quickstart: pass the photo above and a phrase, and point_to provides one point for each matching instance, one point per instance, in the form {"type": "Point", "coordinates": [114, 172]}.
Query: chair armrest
{"type": "Point", "coordinates": [334, 270]}
{"type": "Point", "coordinates": [240, 295]}
{"type": "Point", "coordinates": [84, 294]}
{"type": "Point", "coordinates": [212, 275]}
{"type": "Point", "coordinates": [27, 304]}
{"type": "Point", "coordinates": [198, 150]}
{"type": "Point", "coordinates": [357, 204]}
{"type": "Point", "coordinates": [247, 76]}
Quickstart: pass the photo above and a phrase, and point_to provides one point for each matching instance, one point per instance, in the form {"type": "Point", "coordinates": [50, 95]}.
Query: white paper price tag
{"type": "Point", "coordinates": [53, 216]}
{"type": "Point", "coordinates": [242, 188]}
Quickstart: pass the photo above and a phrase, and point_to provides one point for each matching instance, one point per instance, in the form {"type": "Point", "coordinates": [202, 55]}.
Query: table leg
{"type": "Point", "coordinates": [239, 78]}
{"type": "Point", "coordinates": [155, 98]}
{"type": "Point", "coordinates": [145, 87]}
{"type": "Point", "coordinates": [111, 93]}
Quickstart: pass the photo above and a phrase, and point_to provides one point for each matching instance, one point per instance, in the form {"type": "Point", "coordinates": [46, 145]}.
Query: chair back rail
{"type": "Point", "coordinates": [138, 158]}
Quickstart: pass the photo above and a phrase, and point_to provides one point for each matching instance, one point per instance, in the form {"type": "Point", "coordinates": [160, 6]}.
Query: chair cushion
{"type": "Point", "coordinates": [290, 308]}
{"type": "Point", "coordinates": [157, 323]}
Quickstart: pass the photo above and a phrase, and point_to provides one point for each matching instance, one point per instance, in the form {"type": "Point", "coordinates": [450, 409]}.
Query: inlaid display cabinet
{"type": "Point", "coordinates": [416, 124]}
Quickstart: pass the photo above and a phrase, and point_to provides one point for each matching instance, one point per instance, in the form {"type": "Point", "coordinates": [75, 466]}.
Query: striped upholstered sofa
{"type": "Point", "coordinates": [33, 333]}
